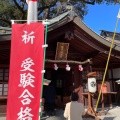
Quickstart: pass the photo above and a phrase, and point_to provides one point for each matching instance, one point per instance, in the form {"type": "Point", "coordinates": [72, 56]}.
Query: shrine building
{"type": "Point", "coordinates": [74, 45]}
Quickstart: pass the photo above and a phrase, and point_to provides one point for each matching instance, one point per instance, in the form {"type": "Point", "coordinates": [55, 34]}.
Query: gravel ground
{"type": "Point", "coordinates": [111, 114]}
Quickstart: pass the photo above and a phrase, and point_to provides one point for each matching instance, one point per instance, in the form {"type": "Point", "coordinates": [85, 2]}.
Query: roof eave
{"type": "Point", "coordinates": [97, 37]}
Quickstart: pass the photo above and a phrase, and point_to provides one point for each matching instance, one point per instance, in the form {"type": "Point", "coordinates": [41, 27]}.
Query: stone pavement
{"type": "Point", "coordinates": [111, 114]}
{"type": "Point", "coordinates": [58, 116]}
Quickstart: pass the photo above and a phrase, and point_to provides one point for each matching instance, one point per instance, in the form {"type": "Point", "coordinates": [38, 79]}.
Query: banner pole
{"type": "Point", "coordinates": [112, 43]}
{"type": "Point", "coordinates": [46, 31]}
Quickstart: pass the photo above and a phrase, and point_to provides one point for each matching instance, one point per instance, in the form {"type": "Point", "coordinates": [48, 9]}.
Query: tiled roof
{"type": "Point", "coordinates": [108, 34]}
{"type": "Point", "coordinates": [5, 30]}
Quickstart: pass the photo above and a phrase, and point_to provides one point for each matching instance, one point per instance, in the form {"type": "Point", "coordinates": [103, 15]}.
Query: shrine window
{"type": "Point", "coordinates": [1, 74]}
{"type": "Point", "coordinates": [59, 83]}
{"type": "Point", "coordinates": [4, 74]}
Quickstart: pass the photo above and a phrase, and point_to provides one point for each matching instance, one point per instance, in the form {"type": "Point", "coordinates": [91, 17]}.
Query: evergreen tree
{"type": "Point", "coordinates": [17, 9]}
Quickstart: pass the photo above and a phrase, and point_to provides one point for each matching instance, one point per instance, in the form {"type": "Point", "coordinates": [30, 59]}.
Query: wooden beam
{"type": "Point", "coordinates": [69, 61]}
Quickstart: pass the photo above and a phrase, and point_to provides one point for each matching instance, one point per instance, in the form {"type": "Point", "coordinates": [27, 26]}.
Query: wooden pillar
{"type": "Point", "coordinates": [81, 99]}
{"type": "Point", "coordinates": [112, 80]}
{"type": "Point", "coordinates": [78, 83]}
{"type": "Point", "coordinates": [76, 77]}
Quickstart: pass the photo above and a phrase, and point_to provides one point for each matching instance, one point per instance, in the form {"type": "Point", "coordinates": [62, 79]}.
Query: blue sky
{"type": "Point", "coordinates": [102, 17]}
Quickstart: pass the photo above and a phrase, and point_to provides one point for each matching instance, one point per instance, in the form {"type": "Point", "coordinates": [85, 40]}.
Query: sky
{"type": "Point", "coordinates": [102, 17]}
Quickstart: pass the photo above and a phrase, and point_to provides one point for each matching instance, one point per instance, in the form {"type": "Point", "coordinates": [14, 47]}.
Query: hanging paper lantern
{"type": "Point", "coordinates": [80, 67]}
{"type": "Point", "coordinates": [55, 67]}
{"type": "Point", "coordinates": [92, 85]}
{"type": "Point", "coordinates": [68, 67]}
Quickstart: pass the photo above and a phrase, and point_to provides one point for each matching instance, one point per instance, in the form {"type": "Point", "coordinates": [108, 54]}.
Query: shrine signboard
{"type": "Point", "coordinates": [62, 51]}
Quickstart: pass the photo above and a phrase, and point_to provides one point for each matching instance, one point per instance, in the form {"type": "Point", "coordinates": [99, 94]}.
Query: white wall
{"type": "Point", "coordinates": [116, 73]}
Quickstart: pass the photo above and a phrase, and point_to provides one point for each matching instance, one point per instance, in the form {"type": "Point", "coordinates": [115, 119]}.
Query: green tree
{"type": "Point", "coordinates": [17, 9]}
{"type": "Point", "coordinates": [9, 10]}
